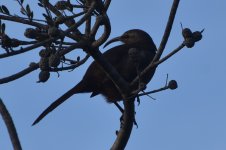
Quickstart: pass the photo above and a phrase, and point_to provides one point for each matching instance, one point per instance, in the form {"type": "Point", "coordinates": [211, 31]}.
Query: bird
{"type": "Point", "coordinates": [96, 82]}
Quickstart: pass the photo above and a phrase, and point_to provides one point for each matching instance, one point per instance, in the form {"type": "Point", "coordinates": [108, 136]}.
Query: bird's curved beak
{"type": "Point", "coordinates": [113, 40]}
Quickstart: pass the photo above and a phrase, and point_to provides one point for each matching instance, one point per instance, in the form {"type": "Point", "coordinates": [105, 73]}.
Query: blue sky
{"type": "Point", "coordinates": [189, 118]}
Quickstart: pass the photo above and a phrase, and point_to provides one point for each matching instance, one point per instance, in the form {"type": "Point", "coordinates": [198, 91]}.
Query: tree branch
{"type": "Point", "coordinates": [167, 30]}
{"type": "Point", "coordinates": [23, 21]}
{"type": "Point", "coordinates": [155, 64]}
{"type": "Point", "coordinates": [72, 67]}
{"type": "Point", "coordinates": [126, 126]}
{"type": "Point", "coordinates": [10, 126]}
{"type": "Point", "coordinates": [128, 115]}
{"type": "Point", "coordinates": [163, 42]}
{"type": "Point", "coordinates": [19, 74]}
{"type": "Point", "coordinates": [23, 50]}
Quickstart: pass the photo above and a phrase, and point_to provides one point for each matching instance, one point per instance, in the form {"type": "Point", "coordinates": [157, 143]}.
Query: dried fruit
{"type": "Point", "coordinates": [43, 76]}
{"type": "Point", "coordinates": [42, 53]}
{"type": "Point", "coordinates": [186, 32]}
{"type": "Point", "coordinates": [54, 60]}
{"type": "Point", "coordinates": [63, 5]}
{"type": "Point", "coordinates": [44, 63]}
{"type": "Point", "coordinates": [172, 84]}
{"type": "Point", "coordinates": [197, 36]}
{"type": "Point", "coordinates": [30, 33]}
{"type": "Point", "coordinates": [189, 42]}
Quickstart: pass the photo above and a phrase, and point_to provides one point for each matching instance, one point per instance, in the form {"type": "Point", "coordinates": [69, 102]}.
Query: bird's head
{"type": "Point", "coordinates": [134, 37]}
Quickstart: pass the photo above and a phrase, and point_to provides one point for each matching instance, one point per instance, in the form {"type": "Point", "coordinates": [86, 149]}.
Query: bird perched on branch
{"type": "Point", "coordinates": [136, 52]}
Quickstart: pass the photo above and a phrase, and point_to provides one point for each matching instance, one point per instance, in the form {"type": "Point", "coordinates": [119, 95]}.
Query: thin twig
{"type": "Point", "coordinates": [19, 20]}
{"type": "Point", "coordinates": [83, 19]}
{"type": "Point", "coordinates": [107, 4]}
{"type": "Point", "coordinates": [167, 30]}
{"type": "Point", "coordinates": [19, 74]}
{"type": "Point", "coordinates": [72, 67]}
{"type": "Point", "coordinates": [154, 91]}
{"type": "Point", "coordinates": [23, 50]}
{"type": "Point", "coordinates": [58, 13]}
{"type": "Point", "coordinates": [155, 64]}
{"type": "Point", "coordinates": [106, 33]}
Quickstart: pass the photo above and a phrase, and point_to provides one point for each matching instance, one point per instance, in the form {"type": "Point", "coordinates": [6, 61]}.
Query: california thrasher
{"type": "Point", "coordinates": [95, 81]}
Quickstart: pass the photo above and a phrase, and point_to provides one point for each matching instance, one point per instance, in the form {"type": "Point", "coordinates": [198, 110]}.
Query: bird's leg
{"type": "Point", "coordinates": [122, 111]}
{"type": "Point", "coordinates": [119, 107]}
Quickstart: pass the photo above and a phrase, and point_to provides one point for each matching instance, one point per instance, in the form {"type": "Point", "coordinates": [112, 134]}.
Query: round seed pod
{"type": "Point", "coordinates": [44, 63]}
{"type": "Point", "coordinates": [172, 84]}
{"type": "Point", "coordinates": [43, 76]}
{"type": "Point", "coordinates": [44, 53]}
{"type": "Point", "coordinates": [53, 31]}
{"type": "Point", "coordinates": [50, 51]}
{"type": "Point", "coordinates": [189, 42]}
{"type": "Point", "coordinates": [186, 32]}
{"type": "Point", "coordinates": [30, 33]}
{"type": "Point", "coordinates": [197, 36]}
{"type": "Point", "coordinates": [54, 60]}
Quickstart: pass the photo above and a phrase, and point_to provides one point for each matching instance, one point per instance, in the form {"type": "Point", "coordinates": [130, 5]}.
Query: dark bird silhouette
{"type": "Point", "coordinates": [95, 81]}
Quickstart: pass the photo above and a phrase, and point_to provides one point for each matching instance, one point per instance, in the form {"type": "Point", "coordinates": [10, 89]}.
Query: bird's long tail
{"type": "Point", "coordinates": [79, 88]}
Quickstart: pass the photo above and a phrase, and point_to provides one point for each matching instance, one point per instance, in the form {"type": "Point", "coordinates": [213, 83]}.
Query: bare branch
{"type": "Point", "coordinates": [72, 67]}
{"type": "Point", "coordinates": [167, 30]}
{"type": "Point", "coordinates": [19, 74]}
{"type": "Point", "coordinates": [163, 43]}
{"type": "Point", "coordinates": [83, 19]}
{"type": "Point", "coordinates": [80, 44]}
{"type": "Point", "coordinates": [107, 4]}
{"type": "Point", "coordinates": [23, 50]}
{"type": "Point", "coordinates": [125, 131]}
{"type": "Point", "coordinates": [126, 126]}
{"type": "Point", "coordinates": [107, 30]}
{"type": "Point", "coordinates": [23, 21]}
{"type": "Point", "coordinates": [10, 126]}
{"type": "Point", "coordinates": [58, 13]}
{"type": "Point", "coordinates": [155, 64]}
